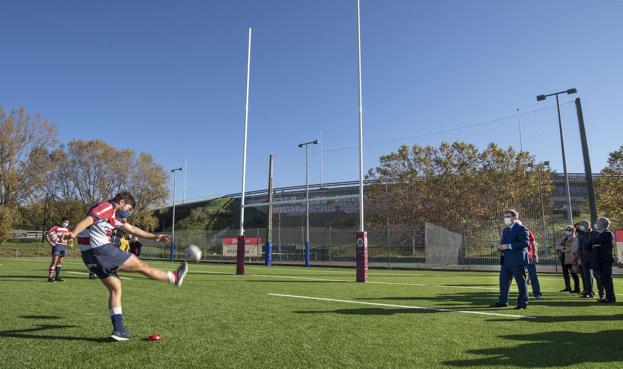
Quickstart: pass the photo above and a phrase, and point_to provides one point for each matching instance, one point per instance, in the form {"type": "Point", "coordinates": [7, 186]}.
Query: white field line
{"type": "Point", "coordinates": [47, 260]}
{"type": "Point", "coordinates": [302, 278]}
{"type": "Point", "coordinates": [406, 307]}
{"type": "Point", "coordinates": [336, 280]}
{"type": "Point", "coordinates": [337, 272]}
{"type": "Point", "coordinates": [82, 273]}
{"type": "Point", "coordinates": [369, 282]}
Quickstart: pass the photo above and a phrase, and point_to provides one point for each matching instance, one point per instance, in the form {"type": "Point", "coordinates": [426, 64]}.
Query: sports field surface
{"type": "Point", "coordinates": [292, 317]}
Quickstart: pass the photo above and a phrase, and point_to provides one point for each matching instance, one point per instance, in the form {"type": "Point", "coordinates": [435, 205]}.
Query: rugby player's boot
{"type": "Point", "coordinates": [181, 274]}
{"type": "Point", "coordinates": [122, 335]}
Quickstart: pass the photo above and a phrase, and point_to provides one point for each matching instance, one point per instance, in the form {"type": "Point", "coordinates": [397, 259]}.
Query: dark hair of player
{"type": "Point", "coordinates": [126, 196]}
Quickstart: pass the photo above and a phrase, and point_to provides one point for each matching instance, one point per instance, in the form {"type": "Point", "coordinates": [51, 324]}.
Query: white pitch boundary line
{"type": "Point", "coordinates": [82, 273]}
{"type": "Point", "coordinates": [334, 280]}
{"type": "Point", "coordinates": [302, 278]}
{"type": "Point", "coordinates": [327, 270]}
{"type": "Point", "coordinates": [406, 307]}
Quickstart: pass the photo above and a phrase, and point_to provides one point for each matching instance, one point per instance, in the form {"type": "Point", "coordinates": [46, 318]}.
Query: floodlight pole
{"type": "Point", "coordinates": [240, 252]}
{"type": "Point", "coordinates": [268, 246]}
{"type": "Point", "coordinates": [307, 251]}
{"type": "Point", "coordinates": [562, 148]}
{"type": "Point", "coordinates": [307, 247]}
{"type": "Point", "coordinates": [520, 133]}
{"type": "Point", "coordinates": [361, 239]}
{"type": "Point", "coordinates": [172, 251]}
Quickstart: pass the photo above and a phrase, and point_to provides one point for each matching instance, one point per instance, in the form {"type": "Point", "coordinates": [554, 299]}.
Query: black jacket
{"type": "Point", "coordinates": [603, 245]}
{"type": "Point", "coordinates": [586, 244]}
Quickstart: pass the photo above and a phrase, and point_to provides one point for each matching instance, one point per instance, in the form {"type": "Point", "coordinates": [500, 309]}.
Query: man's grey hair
{"type": "Point", "coordinates": [605, 222]}
{"type": "Point", "coordinates": [513, 212]}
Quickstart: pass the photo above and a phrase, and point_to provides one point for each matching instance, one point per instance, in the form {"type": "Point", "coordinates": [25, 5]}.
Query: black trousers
{"type": "Point", "coordinates": [587, 276]}
{"type": "Point", "coordinates": [566, 268]}
{"type": "Point", "coordinates": [605, 275]}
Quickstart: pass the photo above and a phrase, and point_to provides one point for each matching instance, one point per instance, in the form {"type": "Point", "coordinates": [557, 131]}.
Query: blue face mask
{"type": "Point", "coordinates": [582, 228]}
{"type": "Point", "coordinates": [123, 214]}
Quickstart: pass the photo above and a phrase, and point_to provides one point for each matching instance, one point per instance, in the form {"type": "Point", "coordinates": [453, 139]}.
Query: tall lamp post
{"type": "Point", "coordinates": [305, 144]}
{"type": "Point", "coordinates": [562, 147]}
{"type": "Point", "coordinates": [172, 254]}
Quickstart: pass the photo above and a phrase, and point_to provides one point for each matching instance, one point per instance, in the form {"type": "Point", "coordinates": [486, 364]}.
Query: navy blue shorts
{"type": "Point", "coordinates": [59, 250]}
{"type": "Point", "coordinates": [104, 260]}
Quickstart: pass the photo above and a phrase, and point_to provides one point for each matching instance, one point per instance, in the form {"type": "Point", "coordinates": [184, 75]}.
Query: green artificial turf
{"type": "Point", "coordinates": [221, 320]}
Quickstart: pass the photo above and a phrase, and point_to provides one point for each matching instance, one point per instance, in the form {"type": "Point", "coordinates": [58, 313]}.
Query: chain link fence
{"type": "Point", "coordinates": [425, 242]}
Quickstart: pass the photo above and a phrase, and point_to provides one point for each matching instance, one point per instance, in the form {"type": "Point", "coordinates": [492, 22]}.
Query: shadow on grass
{"type": "Point", "coordinates": [41, 278]}
{"type": "Point", "coordinates": [39, 317]}
{"type": "Point", "coordinates": [370, 311]}
{"type": "Point", "coordinates": [571, 318]}
{"type": "Point", "coordinates": [26, 333]}
{"type": "Point", "coordinates": [549, 349]}
{"type": "Point", "coordinates": [482, 299]}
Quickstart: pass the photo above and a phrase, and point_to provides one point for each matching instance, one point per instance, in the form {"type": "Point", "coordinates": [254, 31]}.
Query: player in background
{"type": "Point", "coordinates": [55, 237]}
{"type": "Point", "coordinates": [104, 259]}
{"type": "Point", "coordinates": [120, 240]}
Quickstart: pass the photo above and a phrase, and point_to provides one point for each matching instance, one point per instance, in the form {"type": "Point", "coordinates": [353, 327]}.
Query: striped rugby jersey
{"type": "Point", "coordinates": [56, 234]}
{"type": "Point", "coordinates": [104, 221]}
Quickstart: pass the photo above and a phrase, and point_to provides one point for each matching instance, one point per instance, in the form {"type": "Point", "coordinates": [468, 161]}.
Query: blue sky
{"type": "Point", "coordinates": [168, 77]}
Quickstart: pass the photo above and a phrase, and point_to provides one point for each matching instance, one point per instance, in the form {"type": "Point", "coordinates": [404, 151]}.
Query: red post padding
{"type": "Point", "coordinates": [240, 255]}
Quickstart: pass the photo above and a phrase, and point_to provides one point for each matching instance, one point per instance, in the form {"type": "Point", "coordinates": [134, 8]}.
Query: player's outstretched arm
{"type": "Point", "coordinates": [144, 234]}
{"type": "Point", "coordinates": [81, 226]}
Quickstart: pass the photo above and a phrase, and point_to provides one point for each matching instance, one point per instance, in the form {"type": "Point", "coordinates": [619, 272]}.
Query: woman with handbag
{"type": "Point", "coordinates": [568, 259]}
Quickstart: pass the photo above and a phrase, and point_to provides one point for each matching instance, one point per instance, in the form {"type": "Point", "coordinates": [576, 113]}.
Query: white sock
{"type": "Point", "coordinates": [115, 311]}
{"type": "Point", "coordinates": [171, 277]}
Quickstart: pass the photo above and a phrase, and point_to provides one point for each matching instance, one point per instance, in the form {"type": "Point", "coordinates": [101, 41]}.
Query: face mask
{"type": "Point", "coordinates": [508, 221]}
{"type": "Point", "coordinates": [568, 233]}
{"type": "Point", "coordinates": [123, 214]}
{"type": "Point", "coordinates": [66, 224]}
{"type": "Point", "coordinates": [582, 228]}
{"type": "Point", "coordinates": [595, 226]}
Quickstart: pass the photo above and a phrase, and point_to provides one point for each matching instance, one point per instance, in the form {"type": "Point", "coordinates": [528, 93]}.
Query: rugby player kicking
{"type": "Point", "coordinates": [104, 259]}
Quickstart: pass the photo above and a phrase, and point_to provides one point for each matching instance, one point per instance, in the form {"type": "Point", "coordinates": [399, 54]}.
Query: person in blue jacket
{"type": "Point", "coordinates": [514, 247]}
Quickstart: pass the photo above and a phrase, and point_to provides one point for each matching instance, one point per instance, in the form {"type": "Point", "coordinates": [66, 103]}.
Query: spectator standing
{"type": "Point", "coordinates": [602, 258]}
{"type": "Point", "coordinates": [514, 247]}
{"type": "Point", "coordinates": [567, 259]}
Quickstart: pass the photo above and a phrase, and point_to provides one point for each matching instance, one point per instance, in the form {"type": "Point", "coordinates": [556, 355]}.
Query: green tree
{"type": "Point", "coordinates": [6, 220]}
{"type": "Point", "coordinates": [87, 172]}
{"type": "Point", "coordinates": [610, 188]}
{"type": "Point", "coordinates": [454, 185]}
{"type": "Point", "coordinates": [24, 140]}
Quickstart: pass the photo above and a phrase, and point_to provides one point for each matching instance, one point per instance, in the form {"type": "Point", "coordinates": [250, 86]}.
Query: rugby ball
{"type": "Point", "coordinates": [193, 253]}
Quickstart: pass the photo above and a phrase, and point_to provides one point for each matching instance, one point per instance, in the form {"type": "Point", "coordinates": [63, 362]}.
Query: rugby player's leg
{"type": "Point", "coordinates": [136, 265]}
{"type": "Point", "coordinates": [113, 284]}
{"type": "Point", "coordinates": [52, 267]}
{"type": "Point", "coordinates": [57, 269]}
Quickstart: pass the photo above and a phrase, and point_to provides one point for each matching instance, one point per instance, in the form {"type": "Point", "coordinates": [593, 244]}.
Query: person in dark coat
{"type": "Point", "coordinates": [585, 238]}
{"type": "Point", "coordinates": [135, 246]}
{"type": "Point", "coordinates": [602, 258]}
{"type": "Point", "coordinates": [514, 247]}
